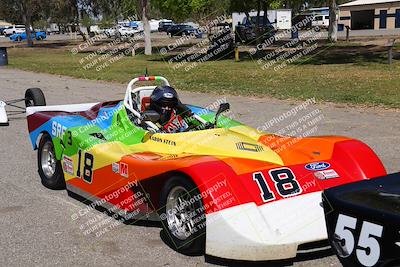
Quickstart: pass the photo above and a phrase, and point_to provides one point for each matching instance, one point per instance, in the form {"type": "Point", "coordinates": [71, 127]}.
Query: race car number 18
{"type": "Point", "coordinates": [285, 183]}
{"type": "Point", "coordinates": [87, 167]}
{"type": "Point", "coordinates": [368, 249]}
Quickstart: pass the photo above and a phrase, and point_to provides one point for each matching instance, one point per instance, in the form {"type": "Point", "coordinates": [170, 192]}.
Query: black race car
{"type": "Point", "coordinates": [363, 221]}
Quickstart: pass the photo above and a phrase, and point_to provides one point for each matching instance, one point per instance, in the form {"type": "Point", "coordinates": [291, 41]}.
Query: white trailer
{"type": "Point", "coordinates": [281, 19]}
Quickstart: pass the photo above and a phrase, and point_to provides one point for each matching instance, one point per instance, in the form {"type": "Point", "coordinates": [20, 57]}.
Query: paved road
{"type": "Point", "coordinates": [35, 223]}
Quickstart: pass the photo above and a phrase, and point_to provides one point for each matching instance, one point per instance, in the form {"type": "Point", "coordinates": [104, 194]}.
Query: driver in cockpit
{"type": "Point", "coordinates": [174, 116]}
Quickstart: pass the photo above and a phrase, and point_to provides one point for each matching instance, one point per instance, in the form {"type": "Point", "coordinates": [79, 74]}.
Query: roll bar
{"type": "Point", "coordinates": [130, 89]}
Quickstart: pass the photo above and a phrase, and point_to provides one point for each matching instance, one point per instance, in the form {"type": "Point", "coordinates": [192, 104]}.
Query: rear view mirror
{"type": "Point", "coordinates": [222, 108]}
{"type": "Point", "coordinates": [151, 115]}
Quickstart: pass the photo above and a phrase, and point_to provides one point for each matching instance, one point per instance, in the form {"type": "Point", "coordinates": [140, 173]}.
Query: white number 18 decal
{"type": "Point", "coordinates": [368, 249]}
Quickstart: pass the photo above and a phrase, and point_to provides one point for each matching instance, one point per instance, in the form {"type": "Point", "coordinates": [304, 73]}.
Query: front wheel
{"type": "Point", "coordinates": [49, 167]}
{"type": "Point", "coordinates": [34, 97]}
{"type": "Point", "coordinates": [183, 216]}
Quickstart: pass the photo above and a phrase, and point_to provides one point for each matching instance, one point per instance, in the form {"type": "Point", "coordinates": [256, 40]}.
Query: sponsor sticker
{"type": "Point", "coordinates": [317, 166]}
{"type": "Point", "coordinates": [123, 169]}
{"type": "Point", "coordinates": [115, 167]}
{"type": "Point", "coordinates": [68, 165]}
{"type": "Point", "coordinates": [168, 95]}
{"type": "Point", "coordinates": [326, 174]}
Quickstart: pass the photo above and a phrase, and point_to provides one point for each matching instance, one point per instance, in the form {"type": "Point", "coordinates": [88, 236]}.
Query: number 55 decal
{"type": "Point", "coordinates": [368, 249]}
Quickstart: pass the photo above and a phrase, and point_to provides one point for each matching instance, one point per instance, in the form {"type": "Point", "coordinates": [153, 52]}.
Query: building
{"type": "Point", "coordinates": [370, 14]}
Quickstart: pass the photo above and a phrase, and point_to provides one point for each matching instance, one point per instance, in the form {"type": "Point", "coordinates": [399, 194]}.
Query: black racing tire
{"type": "Point", "coordinates": [191, 242]}
{"type": "Point", "coordinates": [54, 178]}
{"type": "Point", "coordinates": [34, 97]}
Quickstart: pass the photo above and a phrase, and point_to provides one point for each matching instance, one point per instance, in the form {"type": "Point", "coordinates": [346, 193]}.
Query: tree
{"type": "Point", "coordinates": [146, 26]}
{"type": "Point", "coordinates": [181, 10]}
{"type": "Point", "coordinates": [333, 21]}
{"type": "Point", "coordinates": [26, 12]}
{"type": "Point", "coordinates": [143, 6]}
{"type": "Point", "coordinates": [22, 10]}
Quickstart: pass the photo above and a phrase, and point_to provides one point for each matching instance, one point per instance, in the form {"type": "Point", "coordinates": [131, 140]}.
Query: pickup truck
{"type": "Point", "coordinates": [245, 32]}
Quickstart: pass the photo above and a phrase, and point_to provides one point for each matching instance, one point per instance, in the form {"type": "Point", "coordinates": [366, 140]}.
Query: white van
{"type": "Point", "coordinates": [321, 21]}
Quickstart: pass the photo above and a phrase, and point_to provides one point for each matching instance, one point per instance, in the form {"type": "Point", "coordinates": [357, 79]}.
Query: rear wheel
{"type": "Point", "coordinates": [34, 97]}
{"type": "Point", "coordinates": [49, 167]}
{"type": "Point", "coordinates": [183, 216]}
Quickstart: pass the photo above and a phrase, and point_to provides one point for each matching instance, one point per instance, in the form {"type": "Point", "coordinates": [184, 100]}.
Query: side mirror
{"type": "Point", "coordinates": [151, 115]}
{"type": "Point", "coordinates": [222, 108]}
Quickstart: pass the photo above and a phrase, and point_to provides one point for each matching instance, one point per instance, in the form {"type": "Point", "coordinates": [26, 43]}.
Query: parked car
{"type": "Point", "coordinates": [18, 37]}
{"type": "Point", "coordinates": [110, 32]}
{"type": "Point", "coordinates": [2, 28]}
{"type": "Point", "coordinates": [320, 22]}
{"type": "Point", "coordinates": [126, 31]}
{"type": "Point", "coordinates": [14, 29]}
{"type": "Point", "coordinates": [303, 21]}
{"type": "Point", "coordinates": [164, 25]}
{"type": "Point", "coordinates": [183, 30]}
{"type": "Point", "coordinates": [246, 31]}
{"type": "Point", "coordinates": [53, 29]}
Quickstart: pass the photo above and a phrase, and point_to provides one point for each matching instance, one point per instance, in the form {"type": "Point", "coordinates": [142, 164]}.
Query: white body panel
{"type": "Point", "coordinates": [269, 232]}
{"type": "Point", "coordinates": [66, 108]}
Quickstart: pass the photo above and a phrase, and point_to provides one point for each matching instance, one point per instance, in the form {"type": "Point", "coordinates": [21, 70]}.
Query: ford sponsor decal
{"type": "Point", "coordinates": [317, 166]}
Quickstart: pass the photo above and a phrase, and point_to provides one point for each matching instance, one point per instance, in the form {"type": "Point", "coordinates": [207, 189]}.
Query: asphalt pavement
{"type": "Point", "coordinates": [36, 228]}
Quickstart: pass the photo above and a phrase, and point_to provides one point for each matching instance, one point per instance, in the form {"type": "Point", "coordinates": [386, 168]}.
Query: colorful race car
{"type": "Point", "coordinates": [363, 221]}
{"type": "Point", "coordinates": [220, 188]}
{"type": "Point", "coordinates": [18, 37]}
